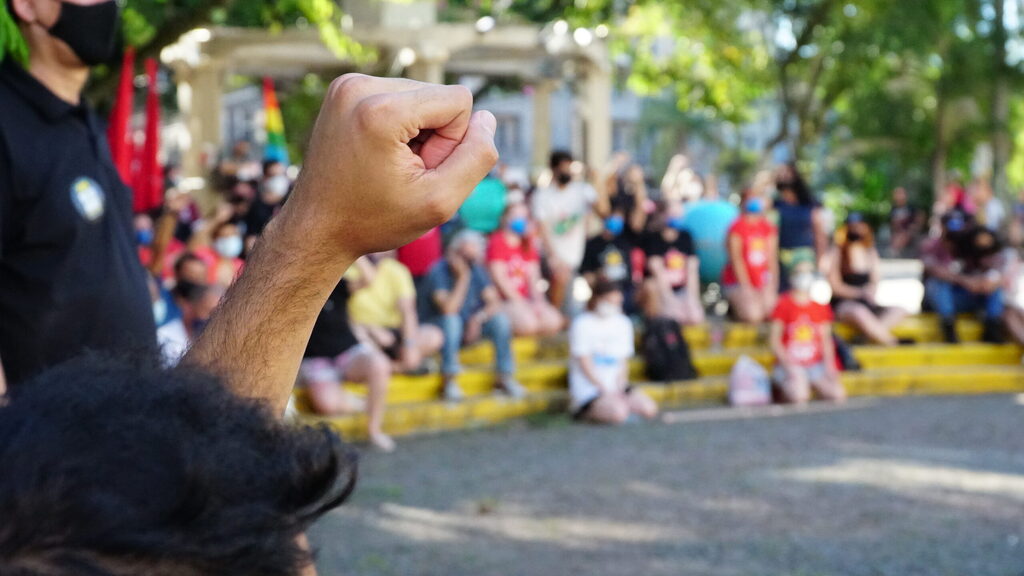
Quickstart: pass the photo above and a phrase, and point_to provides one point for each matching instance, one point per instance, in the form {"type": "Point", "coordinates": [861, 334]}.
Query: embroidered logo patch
{"type": "Point", "coordinates": [88, 198]}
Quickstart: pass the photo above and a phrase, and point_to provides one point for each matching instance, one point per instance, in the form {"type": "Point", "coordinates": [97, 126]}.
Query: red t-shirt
{"type": "Point", "coordinates": [517, 259]}
{"type": "Point", "coordinates": [419, 255]}
{"type": "Point", "coordinates": [801, 336]}
{"type": "Point", "coordinates": [756, 235]}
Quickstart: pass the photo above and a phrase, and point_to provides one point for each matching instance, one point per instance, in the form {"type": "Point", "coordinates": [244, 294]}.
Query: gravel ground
{"type": "Point", "coordinates": [929, 486]}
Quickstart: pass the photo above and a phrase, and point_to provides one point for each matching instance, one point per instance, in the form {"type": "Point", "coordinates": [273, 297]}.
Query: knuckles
{"type": "Point", "coordinates": [348, 87]}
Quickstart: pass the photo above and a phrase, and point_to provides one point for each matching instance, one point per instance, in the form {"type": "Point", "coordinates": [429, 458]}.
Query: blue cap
{"type": "Point", "coordinates": [615, 224]}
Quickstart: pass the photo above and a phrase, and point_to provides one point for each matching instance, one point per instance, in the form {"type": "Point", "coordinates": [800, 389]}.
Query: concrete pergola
{"type": "Point", "coordinates": [407, 34]}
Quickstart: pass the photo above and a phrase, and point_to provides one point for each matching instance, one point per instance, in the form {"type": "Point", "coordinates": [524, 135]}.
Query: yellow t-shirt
{"type": "Point", "coordinates": [377, 304]}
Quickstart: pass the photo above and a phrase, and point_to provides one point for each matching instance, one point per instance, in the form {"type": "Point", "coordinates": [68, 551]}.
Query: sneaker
{"type": "Point", "coordinates": [512, 388]}
{"type": "Point", "coordinates": [452, 391]}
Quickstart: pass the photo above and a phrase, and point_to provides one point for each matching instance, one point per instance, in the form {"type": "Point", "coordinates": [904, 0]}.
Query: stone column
{"type": "Point", "coordinates": [541, 126]}
{"type": "Point", "coordinates": [425, 70]}
{"type": "Point", "coordinates": [200, 92]}
{"type": "Point", "coordinates": [596, 89]}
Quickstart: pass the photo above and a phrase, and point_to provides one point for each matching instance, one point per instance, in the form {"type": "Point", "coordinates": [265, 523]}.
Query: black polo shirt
{"type": "Point", "coordinates": [70, 279]}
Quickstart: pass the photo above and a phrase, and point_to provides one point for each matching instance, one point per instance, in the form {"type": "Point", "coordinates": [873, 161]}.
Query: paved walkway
{"type": "Point", "coordinates": [902, 487]}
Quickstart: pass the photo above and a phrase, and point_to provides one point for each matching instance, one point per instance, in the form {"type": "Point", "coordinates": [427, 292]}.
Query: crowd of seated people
{"type": "Point", "coordinates": [518, 262]}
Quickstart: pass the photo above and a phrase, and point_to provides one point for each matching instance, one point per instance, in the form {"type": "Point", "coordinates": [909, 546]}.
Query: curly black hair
{"type": "Point", "coordinates": [113, 467]}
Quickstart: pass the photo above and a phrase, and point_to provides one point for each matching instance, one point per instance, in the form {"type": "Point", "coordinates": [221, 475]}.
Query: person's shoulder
{"type": "Point", "coordinates": [583, 323]}
{"type": "Point", "coordinates": [783, 306]}
{"type": "Point", "coordinates": [395, 268]}
{"type": "Point", "coordinates": [438, 270]}
{"type": "Point", "coordinates": [623, 325]}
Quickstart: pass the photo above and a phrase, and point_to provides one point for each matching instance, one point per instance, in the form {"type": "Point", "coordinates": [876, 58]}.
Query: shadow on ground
{"type": "Point", "coordinates": [902, 487]}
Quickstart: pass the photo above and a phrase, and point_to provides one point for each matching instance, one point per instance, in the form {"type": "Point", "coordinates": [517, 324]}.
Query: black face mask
{"type": "Point", "coordinates": [187, 290]}
{"type": "Point", "coordinates": [90, 31]}
{"type": "Point", "coordinates": [854, 236]}
{"type": "Point", "coordinates": [563, 178]}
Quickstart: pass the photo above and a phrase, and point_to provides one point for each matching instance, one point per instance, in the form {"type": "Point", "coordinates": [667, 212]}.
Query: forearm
{"type": "Point", "coordinates": [164, 233]}
{"type": "Point", "coordinates": [256, 337]}
{"type": "Point", "coordinates": [410, 320]}
{"type": "Point", "coordinates": [828, 347]}
{"type": "Point", "coordinates": [587, 367]}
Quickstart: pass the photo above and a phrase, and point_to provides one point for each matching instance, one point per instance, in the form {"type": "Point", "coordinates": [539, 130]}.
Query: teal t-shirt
{"type": "Point", "coordinates": [483, 209]}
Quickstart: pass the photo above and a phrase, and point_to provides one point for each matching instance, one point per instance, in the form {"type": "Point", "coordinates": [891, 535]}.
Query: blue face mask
{"type": "Point", "coordinates": [677, 223]}
{"type": "Point", "coordinates": [615, 225]}
{"type": "Point", "coordinates": [754, 206]}
{"type": "Point", "coordinates": [144, 237]}
{"type": "Point", "coordinates": [519, 226]}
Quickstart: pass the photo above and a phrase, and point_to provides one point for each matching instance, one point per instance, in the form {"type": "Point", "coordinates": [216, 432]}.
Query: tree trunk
{"type": "Point", "coordinates": [941, 152]}
{"type": "Point", "coordinates": [1001, 143]}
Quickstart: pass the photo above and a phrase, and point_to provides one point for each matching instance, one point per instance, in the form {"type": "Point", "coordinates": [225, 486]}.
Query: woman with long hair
{"type": "Point", "coordinates": [801, 220]}
{"type": "Point", "coordinates": [854, 279]}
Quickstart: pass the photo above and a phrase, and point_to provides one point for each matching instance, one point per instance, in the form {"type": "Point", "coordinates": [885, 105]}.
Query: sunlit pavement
{"type": "Point", "coordinates": [876, 487]}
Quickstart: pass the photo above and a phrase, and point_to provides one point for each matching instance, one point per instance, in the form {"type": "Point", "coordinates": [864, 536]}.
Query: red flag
{"type": "Point", "coordinates": [149, 186]}
{"type": "Point", "coordinates": [118, 134]}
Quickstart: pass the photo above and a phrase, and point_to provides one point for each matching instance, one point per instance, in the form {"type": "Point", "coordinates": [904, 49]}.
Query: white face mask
{"type": "Point", "coordinates": [803, 282]}
{"type": "Point", "coordinates": [277, 185]}
{"type": "Point", "coordinates": [159, 311]}
{"type": "Point", "coordinates": [607, 309]}
{"type": "Point", "coordinates": [228, 246]}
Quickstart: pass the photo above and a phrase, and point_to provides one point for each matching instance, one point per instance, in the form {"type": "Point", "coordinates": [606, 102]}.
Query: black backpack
{"type": "Point", "coordinates": [666, 354]}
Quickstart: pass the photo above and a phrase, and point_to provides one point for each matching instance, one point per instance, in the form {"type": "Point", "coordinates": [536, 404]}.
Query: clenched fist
{"type": "Point", "coordinates": [389, 159]}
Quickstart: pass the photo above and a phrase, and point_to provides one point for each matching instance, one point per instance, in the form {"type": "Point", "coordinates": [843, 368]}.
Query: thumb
{"type": "Point", "coordinates": [472, 159]}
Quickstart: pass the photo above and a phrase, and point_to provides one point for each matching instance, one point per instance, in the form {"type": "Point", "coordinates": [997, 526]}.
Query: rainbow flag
{"type": "Point", "coordinates": [276, 148]}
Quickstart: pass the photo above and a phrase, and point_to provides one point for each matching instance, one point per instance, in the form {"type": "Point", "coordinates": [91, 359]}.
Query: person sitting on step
{"type": "Point", "coordinates": [383, 305]}
{"type": "Point", "coordinates": [801, 338]}
{"type": "Point", "coordinates": [854, 275]}
{"type": "Point", "coordinates": [601, 344]}
{"type": "Point", "coordinates": [514, 263]}
{"type": "Point", "coordinates": [467, 308]}
{"type": "Point", "coordinates": [963, 276]}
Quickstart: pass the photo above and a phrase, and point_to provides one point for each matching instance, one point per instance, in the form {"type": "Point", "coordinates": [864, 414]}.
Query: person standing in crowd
{"type": "Point", "coordinates": [801, 222]}
{"type": "Point", "coordinates": [482, 211]}
{"type": "Point", "coordinates": [239, 166]}
{"type": "Point", "coordinates": [383, 306]}
{"type": "Point", "coordinates": [419, 256]}
{"type": "Point", "coordinates": [708, 221]}
{"type": "Point", "coordinates": [624, 192]}
{"type": "Point", "coordinates": [962, 276]}
{"type": "Point", "coordinates": [854, 276]}
{"type": "Point", "coordinates": [1013, 306]}
{"type": "Point", "coordinates": [608, 257]}
{"type": "Point", "coordinates": [801, 338]}
{"type": "Point", "coordinates": [273, 189]}
{"type": "Point", "coordinates": [467, 308]}
{"type": "Point", "coordinates": [601, 345]}
{"type": "Point", "coordinates": [335, 355]}
{"type": "Point", "coordinates": [672, 284]}
{"type": "Point", "coordinates": [514, 264]}
{"type": "Point", "coordinates": [906, 223]}
{"type": "Point", "coordinates": [561, 211]}
{"type": "Point", "coordinates": [1016, 234]}
{"type": "Point", "coordinates": [70, 278]}
{"type": "Point", "coordinates": [989, 211]}
{"type": "Point", "coordinates": [751, 277]}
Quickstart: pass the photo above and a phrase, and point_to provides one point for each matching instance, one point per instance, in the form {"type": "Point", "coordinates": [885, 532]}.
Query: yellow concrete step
{"type": "Point", "coordinates": [922, 329]}
{"type": "Point", "coordinates": [719, 363]}
{"type": "Point", "coordinates": [487, 410]}
{"type": "Point", "coordinates": [552, 374]}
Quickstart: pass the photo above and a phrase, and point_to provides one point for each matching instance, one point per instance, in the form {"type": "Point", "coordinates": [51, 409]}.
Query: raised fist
{"type": "Point", "coordinates": [388, 160]}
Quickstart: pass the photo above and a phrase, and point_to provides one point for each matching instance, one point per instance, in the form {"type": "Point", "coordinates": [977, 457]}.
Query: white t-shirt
{"type": "Point", "coordinates": [564, 211]}
{"type": "Point", "coordinates": [608, 341]}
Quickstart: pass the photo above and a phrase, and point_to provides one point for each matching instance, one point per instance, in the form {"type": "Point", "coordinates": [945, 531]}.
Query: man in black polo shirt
{"type": "Point", "coordinates": [69, 276]}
